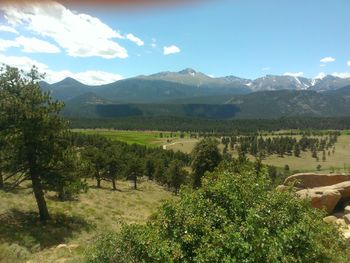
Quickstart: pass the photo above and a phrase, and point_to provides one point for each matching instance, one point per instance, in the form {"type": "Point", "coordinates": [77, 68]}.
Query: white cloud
{"type": "Point", "coordinates": [294, 74]}
{"type": "Point", "coordinates": [5, 44]}
{"type": "Point", "coordinates": [342, 75]}
{"type": "Point", "coordinates": [135, 39]}
{"type": "Point", "coordinates": [348, 63]}
{"type": "Point", "coordinates": [154, 43]}
{"type": "Point", "coordinates": [34, 45]}
{"type": "Point", "coordinates": [320, 75]}
{"type": "Point", "coordinates": [8, 29]}
{"type": "Point", "coordinates": [29, 45]}
{"type": "Point", "coordinates": [327, 60]}
{"type": "Point", "coordinates": [81, 35]}
{"type": "Point", "coordinates": [171, 50]}
{"type": "Point", "coordinates": [22, 62]}
{"type": "Point", "coordinates": [266, 69]}
{"type": "Point", "coordinates": [90, 77]}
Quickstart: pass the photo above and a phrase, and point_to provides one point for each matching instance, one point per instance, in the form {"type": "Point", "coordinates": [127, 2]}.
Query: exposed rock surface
{"type": "Point", "coordinates": [311, 180]}
{"type": "Point", "coordinates": [347, 209]}
{"type": "Point", "coordinates": [321, 198]}
{"type": "Point", "coordinates": [347, 218]}
{"type": "Point", "coordinates": [330, 219]}
{"type": "Point", "coordinates": [324, 190]}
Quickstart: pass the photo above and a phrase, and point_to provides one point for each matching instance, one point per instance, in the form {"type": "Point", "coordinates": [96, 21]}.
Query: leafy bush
{"type": "Point", "coordinates": [234, 217]}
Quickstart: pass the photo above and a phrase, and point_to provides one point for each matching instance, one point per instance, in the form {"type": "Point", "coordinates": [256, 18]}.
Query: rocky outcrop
{"type": "Point", "coordinates": [325, 191]}
{"type": "Point", "coordinates": [311, 180]}
{"type": "Point", "coordinates": [321, 198]}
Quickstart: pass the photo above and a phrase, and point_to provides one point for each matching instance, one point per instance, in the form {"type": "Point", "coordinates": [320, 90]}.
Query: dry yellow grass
{"type": "Point", "coordinates": [23, 237]}
{"type": "Point", "coordinates": [339, 161]}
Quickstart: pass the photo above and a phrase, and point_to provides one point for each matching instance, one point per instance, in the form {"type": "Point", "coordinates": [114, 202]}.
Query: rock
{"type": "Point", "coordinates": [328, 196]}
{"type": "Point", "coordinates": [311, 180]}
{"type": "Point", "coordinates": [321, 198]}
{"type": "Point", "coordinates": [343, 188]}
{"type": "Point", "coordinates": [62, 246]}
{"type": "Point", "coordinates": [347, 210]}
{"type": "Point", "coordinates": [347, 218]}
{"type": "Point", "coordinates": [346, 233]}
{"type": "Point", "coordinates": [281, 188]}
{"type": "Point", "coordinates": [330, 219]}
{"type": "Point", "coordinates": [73, 246]}
{"type": "Point", "coordinates": [340, 222]}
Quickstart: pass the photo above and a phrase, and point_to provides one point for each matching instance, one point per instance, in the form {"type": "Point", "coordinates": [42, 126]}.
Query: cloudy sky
{"type": "Point", "coordinates": [246, 38]}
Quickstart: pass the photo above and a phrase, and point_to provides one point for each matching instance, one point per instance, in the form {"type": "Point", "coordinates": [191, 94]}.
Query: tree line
{"type": "Point", "coordinates": [197, 125]}
{"type": "Point", "coordinates": [114, 160]}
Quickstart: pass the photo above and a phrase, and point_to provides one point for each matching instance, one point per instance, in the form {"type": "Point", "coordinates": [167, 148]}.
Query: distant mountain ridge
{"type": "Point", "coordinates": [186, 84]}
{"type": "Point", "coordinates": [188, 93]}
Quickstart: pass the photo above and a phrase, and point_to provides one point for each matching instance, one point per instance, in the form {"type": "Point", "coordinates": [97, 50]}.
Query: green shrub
{"type": "Point", "coordinates": [234, 217]}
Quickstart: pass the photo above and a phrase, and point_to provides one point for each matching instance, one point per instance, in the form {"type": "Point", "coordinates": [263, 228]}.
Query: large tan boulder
{"type": "Point", "coordinates": [325, 199]}
{"type": "Point", "coordinates": [343, 188]}
{"type": "Point", "coordinates": [311, 180]}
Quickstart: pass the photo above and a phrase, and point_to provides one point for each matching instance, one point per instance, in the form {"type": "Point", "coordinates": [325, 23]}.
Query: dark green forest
{"type": "Point", "coordinates": [212, 126]}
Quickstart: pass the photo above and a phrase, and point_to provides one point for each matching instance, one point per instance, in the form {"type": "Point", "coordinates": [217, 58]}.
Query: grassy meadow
{"type": "Point", "coordinates": [75, 224]}
{"type": "Point", "coordinates": [146, 138]}
{"type": "Point", "coordinates": [339, 161]}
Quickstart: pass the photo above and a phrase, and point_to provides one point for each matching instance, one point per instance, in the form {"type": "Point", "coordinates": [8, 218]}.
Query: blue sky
{"type": "Point", "coordinates": [246, 38]}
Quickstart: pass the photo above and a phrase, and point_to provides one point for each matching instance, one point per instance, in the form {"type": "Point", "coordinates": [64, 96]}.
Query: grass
{"type": "Point", "coordinates": [337, 162]}
{"type": "Point", "coordinates": [75, 223]}
{"type": "Point", "coordinates": [147, 138]}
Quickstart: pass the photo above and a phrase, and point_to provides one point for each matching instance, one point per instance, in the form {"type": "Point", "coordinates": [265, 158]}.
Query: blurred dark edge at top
{"type": "Point", "coordinates": [102, 3]}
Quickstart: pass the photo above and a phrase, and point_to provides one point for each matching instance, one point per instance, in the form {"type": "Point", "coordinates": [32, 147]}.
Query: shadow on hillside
{"type": "Point", "coordinates": [25, 229]}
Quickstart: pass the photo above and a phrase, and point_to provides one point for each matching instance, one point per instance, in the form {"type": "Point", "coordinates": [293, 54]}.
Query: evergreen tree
{"type": "Point", "coordinates": [97, 162]}
{"type": "Point", "coordinates": [114, 165]}
{"type": "Point", "coordinates": [205, 157]}
{"type": "Point", "coordinates": [324, 156]}
{"type": "Point", "coordinates": [34, 132]}
{"type": "Point", "coordinates": [176, 175]}
{"type": "Point", "coordinates": [134, 169]}
{"type": "Point", "coordinates": [297, 150]}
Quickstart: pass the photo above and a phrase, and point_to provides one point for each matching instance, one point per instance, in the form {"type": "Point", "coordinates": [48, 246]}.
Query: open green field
{"type": "Point", "coordinates": [147, 138]}
{"type": "Point", "coordinates": [75, 224]}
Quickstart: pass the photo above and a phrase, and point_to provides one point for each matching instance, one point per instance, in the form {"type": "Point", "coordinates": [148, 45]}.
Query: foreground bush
{"type": "Point", "coordinates": [234, 217]}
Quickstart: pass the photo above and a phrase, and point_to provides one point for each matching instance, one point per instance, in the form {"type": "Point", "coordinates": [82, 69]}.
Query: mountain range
{"type": "Point", "coordinates": [193, 94]}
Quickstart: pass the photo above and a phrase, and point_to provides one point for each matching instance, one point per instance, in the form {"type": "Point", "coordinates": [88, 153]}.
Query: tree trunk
{"type": "Point", "coordinates": [1, 180]}
{"type": "Point", "coordinates": [113, 183]}
{"type": "Point", "coordinates": [98, 181]}
{"type": "Point", "coordinates": [135, 182]}
{"type": "Point", "coordinates": [40, 199]}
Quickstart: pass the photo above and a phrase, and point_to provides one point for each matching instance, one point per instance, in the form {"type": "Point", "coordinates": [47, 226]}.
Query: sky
{"type": "Point", "coordinates": [244, 38]}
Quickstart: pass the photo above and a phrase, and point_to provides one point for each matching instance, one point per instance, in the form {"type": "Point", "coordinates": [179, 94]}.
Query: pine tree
{"type": "Point", "coordinates": [35, 134]}
{"type": "Point", "coordinates": [205, 157]}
